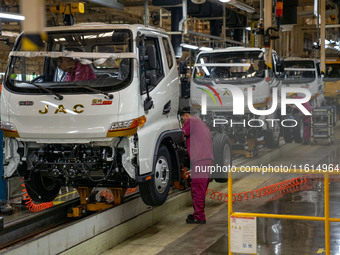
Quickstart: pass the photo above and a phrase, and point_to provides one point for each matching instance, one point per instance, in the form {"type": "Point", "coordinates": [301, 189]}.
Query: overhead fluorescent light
{"type": "Point", "coordinates": [198, 1]}
{"type": "Point", "coordinates": [7, 15]}
{"type": "Point", "coordinates": [189, 46]}
{"type": "Point", "coordinates": [241, 6]}
{"type": "Point", "coordinates": [248, 28]}
{"type": "Point", "coordinates": [206, 48]}
{"type": "Point", "coordinates": [9, 34]}
{"type": "Point", "coordinates": [224, 1]}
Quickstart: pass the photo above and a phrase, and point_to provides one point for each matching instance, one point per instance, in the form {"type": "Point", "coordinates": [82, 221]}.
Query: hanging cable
{"type": "Point", "coordinates": [31, 205]}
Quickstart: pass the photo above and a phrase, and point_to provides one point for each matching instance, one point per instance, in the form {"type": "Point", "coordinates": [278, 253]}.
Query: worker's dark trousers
{"type": "Point", "coordinates": [199, 185]}
{"type": "Point", "coordinates": [307, 128]}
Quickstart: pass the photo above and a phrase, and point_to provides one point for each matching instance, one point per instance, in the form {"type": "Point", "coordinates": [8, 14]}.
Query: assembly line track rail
{"type": "Point", "coordinates": [27, 227]}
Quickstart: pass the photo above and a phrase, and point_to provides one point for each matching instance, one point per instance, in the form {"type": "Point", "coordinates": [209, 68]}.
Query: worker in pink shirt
{"type": "Point", "coordinates": [199, 145]}
{"type": "Point", "coordinates": [76, 71]}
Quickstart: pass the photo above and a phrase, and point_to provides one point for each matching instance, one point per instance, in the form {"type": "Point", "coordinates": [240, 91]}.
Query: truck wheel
{"type": "Point", "coordinates": [298, 131]}
{"type": "Point", "coordinates": [287, 134]}
{"type": "Point", "coordinates": [222, 156]}
{"type": "Point", "coordinates": [155, 191]}
{"type": "Point", "coordinates": [41, 188]}
{"type": "Point", "coordinates": [272, 136]}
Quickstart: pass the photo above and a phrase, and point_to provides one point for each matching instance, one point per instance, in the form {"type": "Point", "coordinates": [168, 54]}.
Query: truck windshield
{"type": "Point", "coordinates": [299, 70]}
{"type": "Point", "coordinates": [238, 66]}
{"type": "Point", "coordinates": [71, 62]}
{"type": "Point", "coordinates": [333, 70]}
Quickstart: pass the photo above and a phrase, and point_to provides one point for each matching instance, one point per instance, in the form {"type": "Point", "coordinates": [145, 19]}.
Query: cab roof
{"type": "Point", "coordinates": [94, 26]}
{"type": "Point", "coordinates": [229, 49]}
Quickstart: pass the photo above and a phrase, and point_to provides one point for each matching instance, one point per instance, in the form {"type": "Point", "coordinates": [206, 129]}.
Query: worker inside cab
{"type": "Point", "coordinates": [75, 70]}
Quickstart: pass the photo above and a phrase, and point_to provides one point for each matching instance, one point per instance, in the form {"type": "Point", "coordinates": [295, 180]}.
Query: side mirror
{"type": "Point", "coordinates": [185, 87]}
{"type": "Point", "coordinates": [151, 78]}
{"type": "Point", "coordinates": [183, 67]}
{"type": "Point", "coordinates": [151, 57]}
{"type": "Point", "coordinates": [280, 66]}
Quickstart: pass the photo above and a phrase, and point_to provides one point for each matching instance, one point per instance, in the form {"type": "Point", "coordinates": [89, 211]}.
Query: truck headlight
{"type": "Point", "coordinates": [125, 128]}
{"type": "Point", "coordinates": [9, 129]}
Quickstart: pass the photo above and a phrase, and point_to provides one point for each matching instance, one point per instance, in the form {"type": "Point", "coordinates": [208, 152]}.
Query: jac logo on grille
{"type": "Point", "coordinates": [78, 108]}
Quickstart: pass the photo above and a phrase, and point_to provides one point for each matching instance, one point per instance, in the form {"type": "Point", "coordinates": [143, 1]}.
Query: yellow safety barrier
{"type": "Point", "coordinates": [326, 217]}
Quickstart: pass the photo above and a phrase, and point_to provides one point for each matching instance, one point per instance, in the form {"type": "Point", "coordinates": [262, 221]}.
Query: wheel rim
{"type": "Point", "coordinates": [226, 155]}
{"type": "Point", "coordinates": [162, 174]}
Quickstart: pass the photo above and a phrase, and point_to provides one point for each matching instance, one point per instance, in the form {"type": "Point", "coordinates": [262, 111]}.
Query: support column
{"type": "Point", "coordinates": [326, 206]}
{"type": "Point", "coordinates": [323, 35]}
{"type": "Point", "coordinates": [146, 13]}
{"type": "Point", "coordinates": [268, 6]}
{"type": "Point", "coordinates": [224, 26]}
{"type": "Point", "coordinates": [34, 23]}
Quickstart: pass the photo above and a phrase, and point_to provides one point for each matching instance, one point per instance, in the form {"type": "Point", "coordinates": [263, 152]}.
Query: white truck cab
{"type": "Point", "coordinates": [302, 73]}
{"type": "Point", "coordinates": [118, 129]}
{"type": "Point", "coordinates": [223, 78]}
{"type": "Point", "coordinates": [305, 73]}
{"type": "Point", "coordinates": [239, 66]}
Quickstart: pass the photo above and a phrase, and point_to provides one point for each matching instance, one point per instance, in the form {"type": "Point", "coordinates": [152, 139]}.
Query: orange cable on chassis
{"type": "Point", "coordinates": [31, 205]}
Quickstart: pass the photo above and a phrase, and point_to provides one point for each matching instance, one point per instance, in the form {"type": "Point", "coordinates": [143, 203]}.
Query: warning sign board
{"type": "Point", "coordinates": [243, 235]}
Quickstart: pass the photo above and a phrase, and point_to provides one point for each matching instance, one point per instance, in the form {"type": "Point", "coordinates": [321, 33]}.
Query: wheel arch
{"type": "Point", "coordinates": [167, 138]}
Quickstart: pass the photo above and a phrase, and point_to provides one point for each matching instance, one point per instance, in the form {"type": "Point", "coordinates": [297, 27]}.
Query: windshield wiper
{"type": "Point", "coordinates": [107, 95]}
{"type": "Point", "coordinates": [57, 95]}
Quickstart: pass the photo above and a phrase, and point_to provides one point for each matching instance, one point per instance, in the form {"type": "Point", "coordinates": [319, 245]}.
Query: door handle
{"type": "Point", "coordinates": [167, 107]}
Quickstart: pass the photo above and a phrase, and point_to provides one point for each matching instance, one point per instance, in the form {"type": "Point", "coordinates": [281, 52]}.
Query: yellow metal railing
{"type": "Point", "coordinates": [326, 217]}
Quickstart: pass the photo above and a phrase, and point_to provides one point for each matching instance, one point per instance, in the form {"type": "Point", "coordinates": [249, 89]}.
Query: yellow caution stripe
{"type": "Point", "coordinates": [32, 42]}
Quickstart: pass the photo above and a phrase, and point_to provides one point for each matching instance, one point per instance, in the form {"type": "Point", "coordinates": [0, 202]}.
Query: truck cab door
{"type": "Point", "coordinates": [156, 89]}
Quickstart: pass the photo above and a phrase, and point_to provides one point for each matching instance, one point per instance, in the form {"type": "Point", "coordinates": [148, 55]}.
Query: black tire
{"type": "Point", "coordinates": [272, 135]}
{"type": "Point", "coordinates": [298, 131]}
{"type": "Point", "coordinates": [155, 191]}
{"type": "Point", "coordinates": [40, 188]}
{"type": "Point", "coordinates": [288, 134]}
{"type": "Point", "coordinates": [222, 156]}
